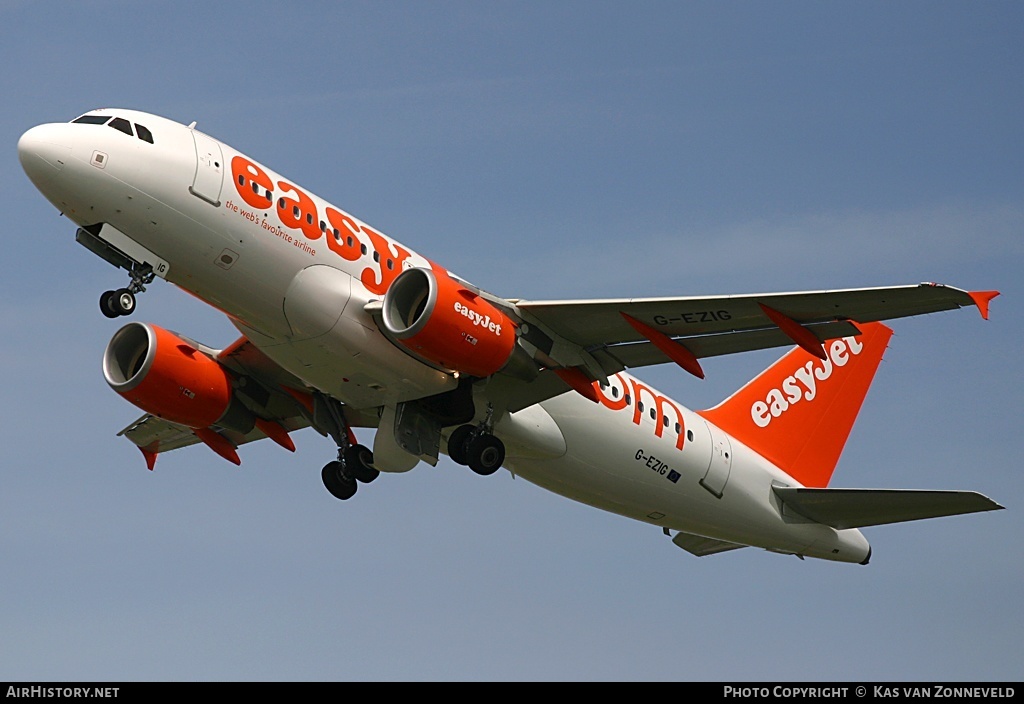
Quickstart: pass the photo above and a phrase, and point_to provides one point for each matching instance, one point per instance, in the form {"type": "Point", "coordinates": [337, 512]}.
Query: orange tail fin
{"type": "Point", "coordinates": [798, 413]}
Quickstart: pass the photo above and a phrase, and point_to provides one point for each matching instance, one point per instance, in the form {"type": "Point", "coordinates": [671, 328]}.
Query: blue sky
{"type": "Point", "coordinates": [541, 150]}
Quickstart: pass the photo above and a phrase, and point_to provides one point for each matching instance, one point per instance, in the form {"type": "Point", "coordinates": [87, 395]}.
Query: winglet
{"type": "Point", "coordinates": [982, 299]}
{"type": "Point", "coordinates": [578, 381]}
{"type": "Point", "coordinates": [796, 332]}
{"type": "Point", "coordinates": [672, 349]}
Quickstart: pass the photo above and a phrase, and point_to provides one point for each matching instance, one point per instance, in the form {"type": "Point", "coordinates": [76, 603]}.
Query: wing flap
{"type": "Point", "coordinates": [858, 508]}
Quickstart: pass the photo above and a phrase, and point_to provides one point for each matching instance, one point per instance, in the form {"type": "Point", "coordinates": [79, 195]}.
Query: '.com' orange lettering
{"type": "Point", "coordinates": [663, 409]}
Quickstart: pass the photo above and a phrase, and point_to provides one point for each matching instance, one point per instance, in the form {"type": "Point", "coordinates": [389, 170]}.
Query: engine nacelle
{"type": "Point", "coordinates": [168, 377]}
{"type": "Point", "coordinates": [439, 319]}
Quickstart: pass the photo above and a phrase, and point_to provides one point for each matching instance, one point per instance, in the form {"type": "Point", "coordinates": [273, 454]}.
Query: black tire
{"type": "Point", "coordinates": [457, 444]}
{"type": "Point", "coordinates": [485, 454]}
{"type": "Point", "coordinates": [123, 302]}
{"type": "Point", "coordinates": [341, 486]}
{"type": "Point", "coordinates": [107, 305]}
{"type": "Point", "coordinates": [359, 463]}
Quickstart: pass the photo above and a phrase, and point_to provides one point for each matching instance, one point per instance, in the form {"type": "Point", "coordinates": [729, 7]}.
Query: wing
{"type": "Point", "coordinates": [271, 393]}
{"type": "Point", "coordinates": [594, 338]}
{"type": "Point", "coordinates": [154, 435]}
{"type": "Point", "coordinates": [600, 323]}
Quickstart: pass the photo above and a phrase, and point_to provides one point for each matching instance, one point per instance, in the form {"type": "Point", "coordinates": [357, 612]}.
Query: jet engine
{"type": "Point", "coordinates": [438, 319]}
{"type": "Point", "coordinates": [169, 377]}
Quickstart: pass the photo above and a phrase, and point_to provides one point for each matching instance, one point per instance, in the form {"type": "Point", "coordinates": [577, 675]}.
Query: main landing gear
{"type": "Point", "coordinates": [354, 463]}
{"type": "Point", "coordinates": [475, 446]}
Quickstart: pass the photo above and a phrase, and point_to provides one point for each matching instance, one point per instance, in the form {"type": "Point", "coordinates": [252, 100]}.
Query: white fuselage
{"type": "Point", "coordinates": [263, 250]}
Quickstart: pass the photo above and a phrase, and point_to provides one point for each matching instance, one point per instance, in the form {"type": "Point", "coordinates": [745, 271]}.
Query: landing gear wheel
{"type": "Point", "coordinates": [457, 442]}
{"type": "Point", "coordinates": [123, 301]}
{"type": "Point", "coordinates": [359, 463]}
{"type": "Point", "coordinates": [337, 481]}
{"type": "Point", "coordinates": [106, 304]}
{"type": "Point", "coordinates": [485, 454]}
{"type": "Point", "coordinates": [114, 304]}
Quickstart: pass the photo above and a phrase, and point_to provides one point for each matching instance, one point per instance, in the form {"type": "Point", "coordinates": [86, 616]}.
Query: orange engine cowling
{"type": "Point", "coordinates": [164, 375]}
{"type": "Point", "coordinates": [439, 319]}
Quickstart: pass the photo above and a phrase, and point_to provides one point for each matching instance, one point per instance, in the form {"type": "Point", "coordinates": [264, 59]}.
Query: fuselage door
{"type": "Point", "coordinates": [209, 178]}
{"type": "Point", "coordinates": [721, 462]}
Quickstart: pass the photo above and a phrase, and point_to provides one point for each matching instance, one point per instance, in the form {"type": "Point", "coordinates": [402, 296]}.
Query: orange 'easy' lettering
{"type": "Point", "coordinates": [298, 214]}
{"type": "Point", "coordinates": [245, 174]}
{"type": "Point", "coordinates": [388, 273]}
{"type": "Point", "coordinates": [347, 232]}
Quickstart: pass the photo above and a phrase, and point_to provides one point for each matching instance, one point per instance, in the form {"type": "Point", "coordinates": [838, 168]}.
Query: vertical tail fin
{"type": "Point", "coordinates": [798, 413]}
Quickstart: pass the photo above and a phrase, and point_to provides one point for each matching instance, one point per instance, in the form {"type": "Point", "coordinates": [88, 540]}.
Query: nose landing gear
{"type": "Point", "coordinates": [114, 304]}
{"type": "Point", "coordinates": [114, 246]}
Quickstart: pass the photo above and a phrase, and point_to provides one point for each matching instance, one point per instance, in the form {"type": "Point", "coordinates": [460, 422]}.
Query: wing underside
{"type": "Point", "coordinates": [600, 323]}
{"type": "Point", "coordinates": [277, 400]}
{"type": "Point", "coordinates": [156, 435]}
{"type": "Point", "coordinates": [602, 337]}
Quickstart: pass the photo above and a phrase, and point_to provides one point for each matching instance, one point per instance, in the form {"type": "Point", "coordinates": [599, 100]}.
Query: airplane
{"type": "Point", "coordinates": [343, 327]}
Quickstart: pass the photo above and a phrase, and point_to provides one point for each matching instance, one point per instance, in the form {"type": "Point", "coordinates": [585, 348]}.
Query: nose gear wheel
{"type": "Point", "coordinates": [114, 304]}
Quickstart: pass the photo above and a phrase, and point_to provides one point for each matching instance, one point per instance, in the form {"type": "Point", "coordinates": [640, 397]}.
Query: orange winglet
{"type": "Point", "coordinates": [796, 332]}
{"type": "Point", "coordinates": [218, 443]}
{"type": "Point", "coordinates": [675, 351]}
{"type": "Point", "coordinates": [982, 299]}
{"type": "Point", "coordinates": [578, 381]}
{"type": "Point", "coordinates": [150, 458]}
{"type": "Point", "coordinates": [276, 432]}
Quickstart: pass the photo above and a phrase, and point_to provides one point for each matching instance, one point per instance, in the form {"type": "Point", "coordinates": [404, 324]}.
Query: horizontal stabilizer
{"type": "Point", "coordinates": [857, 508]}
{"type": "Point", "coordinates": [700, 546]}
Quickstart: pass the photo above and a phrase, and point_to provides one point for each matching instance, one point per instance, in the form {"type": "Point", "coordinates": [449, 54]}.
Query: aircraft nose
{"type": "Point", "coordinates": [44, 150]}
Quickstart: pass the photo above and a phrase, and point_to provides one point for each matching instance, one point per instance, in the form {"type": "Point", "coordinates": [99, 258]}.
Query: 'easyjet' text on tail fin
{"type": "Point", "coordinates": [798, 413]}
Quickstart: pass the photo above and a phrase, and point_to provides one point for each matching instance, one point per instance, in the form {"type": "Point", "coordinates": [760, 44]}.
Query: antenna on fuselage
{"type": "Point", "coordinates": [192, 125]}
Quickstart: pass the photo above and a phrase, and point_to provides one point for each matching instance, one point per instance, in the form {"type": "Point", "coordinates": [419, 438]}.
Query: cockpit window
{"type": "Point", "coordinates": [144, 134]}
{"type": "Point", "coordinates": [92, 119]}
{"type": "Point", "coordinates": [122, 125]}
